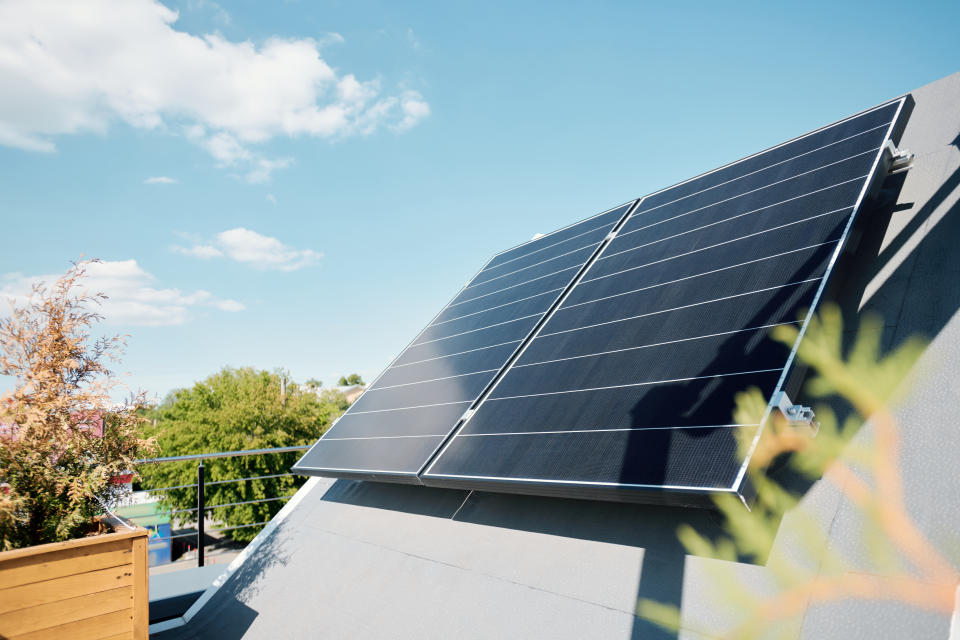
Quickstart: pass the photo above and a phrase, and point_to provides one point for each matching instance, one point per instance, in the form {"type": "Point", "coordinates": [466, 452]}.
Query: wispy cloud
{"type": "Point", "coordinates": [134, 298]}
{"type": "Point", "coordinates": [203, 251]}
{"type": "Point", "coordinates": [254, 249]}
{"type": "Point", "coordinates": [413, 39]}
{"type": "Point", "coordinates": [160, 180]}
{"type": "Point", "coordinates": [263, 169]}
{"type": "Point", "coordinates": [229, 305]}
{"type": "Point", "coordinates": [329, 38]}
{"type": "Point", "coordinates": [77, 67]}
{"type": "Point", "coordinates": [272, 199]}
{"type": "Point", "coordinates": [414, 109]}
{"type": "Point", "coordinates": [218, 13]}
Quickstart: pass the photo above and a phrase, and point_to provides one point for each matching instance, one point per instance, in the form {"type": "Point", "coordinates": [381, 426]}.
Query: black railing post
{"type": "Point", "coordinates": [201, 513]}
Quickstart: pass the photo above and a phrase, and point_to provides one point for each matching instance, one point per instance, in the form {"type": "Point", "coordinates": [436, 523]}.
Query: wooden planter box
{"type": "Point", "coordinates": [87, 588]}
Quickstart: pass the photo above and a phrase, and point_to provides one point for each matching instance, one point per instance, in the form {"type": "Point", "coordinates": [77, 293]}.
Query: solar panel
{"type": "Point", "coordinates": [400, 421]}
{"type": "Point", "coordinates": [626, 391]}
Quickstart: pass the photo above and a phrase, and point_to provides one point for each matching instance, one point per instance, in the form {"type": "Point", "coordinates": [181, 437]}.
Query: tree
{"type": "Point", "coordinates": [235, 410]}
{"type": "Point", "coordinates": [62, 439]}
{"type": "Point", "coordinates": [313, 384]}
{"type": "Point", "coordinates": [868, 383]}
{"type": "Point", "coordinates": [351, 380]}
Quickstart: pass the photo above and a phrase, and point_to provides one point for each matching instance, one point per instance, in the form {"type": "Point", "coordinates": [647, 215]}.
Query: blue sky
{"type": "Point", "coordinates": [305, 184]}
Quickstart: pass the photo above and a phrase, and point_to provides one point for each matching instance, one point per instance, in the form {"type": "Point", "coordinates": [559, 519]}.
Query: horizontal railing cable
{"type": "Point", "coordinates": [193, 534]}
{"type": "Point", "coordinates": [193, 485]}
{"type": "Point", "coordinates": [207, 507]}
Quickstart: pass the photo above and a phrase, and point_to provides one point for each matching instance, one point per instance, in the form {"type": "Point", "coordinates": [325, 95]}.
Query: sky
{"type": "Point", "coordinates": [304, 185]}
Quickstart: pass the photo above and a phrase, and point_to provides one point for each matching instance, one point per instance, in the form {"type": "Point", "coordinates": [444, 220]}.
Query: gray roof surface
{"type": "Point", "coordinates": [366, 560]}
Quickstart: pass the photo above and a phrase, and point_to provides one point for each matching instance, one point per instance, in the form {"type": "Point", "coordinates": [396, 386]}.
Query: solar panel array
{"type": "Point", "coordinates": [391, 431]}
{"type": "Point", "coordinates": [625, 389]}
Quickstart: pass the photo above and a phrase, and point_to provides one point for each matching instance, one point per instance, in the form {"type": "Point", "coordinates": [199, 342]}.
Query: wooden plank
{"type": "Point", "coordinates": [37, 593]}
{"type": "Point", "coordinates": [13, 562]}
{"type": "Point", "coordinates": [76, 543]}
{"type": "Point", "coordinates": [64, 563]}
{"type": "Point", "coordinates": [62, 612]}
{"type": "Point", "coordinates": [118, 623]}
{"type": "Point", "coordinates": [119, 636]}
{"type": "Point", "coordinates": [141, 589]}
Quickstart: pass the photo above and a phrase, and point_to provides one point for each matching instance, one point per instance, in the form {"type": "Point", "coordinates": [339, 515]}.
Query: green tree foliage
{"type": "Point", "coordinates": [62, 438]}
{"type": "Point", "coordinates": [351, 380]}
{"type": "Point", "coordinates": [235, 410]}
{"type": "Point", "coordinates": [866, 382]}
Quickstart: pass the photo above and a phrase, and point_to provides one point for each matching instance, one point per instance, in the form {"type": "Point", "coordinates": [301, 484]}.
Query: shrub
{"type": "Point", "coordinates": [62, 439]}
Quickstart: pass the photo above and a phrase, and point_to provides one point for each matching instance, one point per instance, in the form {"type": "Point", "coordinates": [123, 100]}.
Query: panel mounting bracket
{"type": "Point", "coordinates": [796, 415]}
{"type": "Point", "coordinates": [898, 160]}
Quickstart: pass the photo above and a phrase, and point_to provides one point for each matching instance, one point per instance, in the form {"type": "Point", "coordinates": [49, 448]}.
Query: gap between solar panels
{"type": "Point", "coordinates": [601, 361]}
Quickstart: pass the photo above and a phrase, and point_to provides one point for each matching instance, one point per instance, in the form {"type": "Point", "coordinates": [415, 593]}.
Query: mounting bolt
{"type": "Point", "coordinates": [898, 160]}
{"type": "Point", "coordinates": [796, 415]}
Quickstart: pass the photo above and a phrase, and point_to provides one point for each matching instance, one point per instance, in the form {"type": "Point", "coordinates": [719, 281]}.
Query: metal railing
{"type": "Point", "coordinates": [200, 485]}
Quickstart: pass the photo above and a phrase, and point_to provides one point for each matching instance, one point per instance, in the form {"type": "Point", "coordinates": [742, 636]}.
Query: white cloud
{"type": "Point", "coordinates": [414, 108]}
{"type": "Point", "coordinates": [160, 180]}
{"type": "Point", "coordinates": [229, 305]}
{"type": "Point", "coordinates": [133, 297]}
{"type": "Point", "coordinates": [264, 168]}
{"type": "Point", "coordinates": [218, 13]}
{"type": "Point", "coordinates": [272, 199]}
{"type": "Point", "coordinates": [264, 252]}
{"type": "Point", "coordinates": [225, 148]}
{"type": "Point", "coordinates": [68, 68]}
{"type": "Point", "coordinates": [204, 251]}
{"type": "Point", "coordinates": [12, 136]}
{"type": "Point", "coordinates": [254, 249]}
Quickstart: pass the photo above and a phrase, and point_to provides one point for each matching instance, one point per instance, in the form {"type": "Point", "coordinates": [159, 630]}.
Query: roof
{"type": "Point", "coordinates": [368, 560]}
